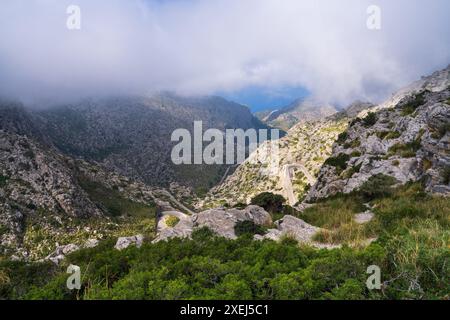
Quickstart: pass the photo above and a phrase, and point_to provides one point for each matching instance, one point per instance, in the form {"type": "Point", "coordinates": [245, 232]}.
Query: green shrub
{"type": "Point", "coordinates": [342, 137]}
{"type": "Point", "coordinates": [3, 181]}
{"type": "Point", "coordinates": [172, 221]}
{"type": "Point", "coordinates": [370, 119]}
{"type": "Point", "coordinates": [240, 205]}
{"type": "Point", "coordinates": [355, 154]}
{"type": "Point", "coordinates": [287, 210]}
{"type": "Point", "coordinates": [406, 150]}
{"type": "Point", "coordinates": [272, 203]}
{"type": "Point", "coordinates": [441, 131]}
{"type": "Point", "coordinates": [382, 134]}
{"type": "Point", "coordinates": [248, 227]}
{"type": "Point", "coordinates": [339, 162]}
{"type": "Point", "coordinates": [377, 186]}
{"type": "Point", "coordinates": [392, 135]}
{"type": "Point", "coordinates": [353, 144]}
{"type": "Point", "coordinates": [410, 107]}
{"type": "Point", "coordinates": [445, 173]}
{"type": "Point", "coordinates": [388, 135]}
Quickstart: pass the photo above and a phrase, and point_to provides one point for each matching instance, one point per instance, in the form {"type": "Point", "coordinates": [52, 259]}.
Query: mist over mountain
{"type": "Point", "coordinates": [131, 134]}
{"type": "Point", "coordinates": [203, 47]}
{"type": "Point", "coordinates": [304, 109]}
{"type": "Point", "coordinates": [359, 179]}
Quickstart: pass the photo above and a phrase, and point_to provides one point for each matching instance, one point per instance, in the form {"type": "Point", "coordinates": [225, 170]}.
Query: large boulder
{"type": "Point", "coordinates": [221, 221]}
{"type": "Point", "coordinates": [60, 253]}
{"type": "Point", "coordinates": [125, 242]}
{"type": "Point", "coordinates": [290, 226]}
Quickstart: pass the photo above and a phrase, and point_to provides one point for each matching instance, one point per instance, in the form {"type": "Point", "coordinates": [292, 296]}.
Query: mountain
{"type": "Point", "coordinates": [132, 135]}
{"type": "Point", "coordinates": [50, 195]}
{"type": "Point", "coordinates": [379, 196]}
{"type": "Point", "coordinates": [307, 109]}
{"type": "Point", "coordinates": [293, 169]}
{"type": "Point", "coordinates": [405, 138]}
{"type": "Point", "coordinates": [48, 199]}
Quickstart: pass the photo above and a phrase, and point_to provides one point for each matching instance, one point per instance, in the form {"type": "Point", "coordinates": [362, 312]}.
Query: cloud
{"type": "Point", "coordinates": [205, 46]}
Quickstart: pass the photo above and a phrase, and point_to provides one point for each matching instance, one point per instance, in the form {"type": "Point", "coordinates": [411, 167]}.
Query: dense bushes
{"type": "Point", "coordinates": [377, 186]}
{"type": "Point", "coordinates": [248, 227]}
{"type": "Point", "coordinates": [208, 267]}
{"type": "Point", "coordinates": [342, 137]}
{"type": "Point", "coordinates": [112, 202]}
{"type": "Point", "coordinates": [172, 221]}
{"type": "Point", "coordinates": [3, 180]}
{"type": "Point", "coordinates": [413, 231]}
{"type": "Point", "coordinates": [272, 203]}
{"type": "Point", "coordinates": [339, 162]}
{"type": "Point", "coordinates": [414, 102]}
{"type": "Point", "coordinates": [370, 119]}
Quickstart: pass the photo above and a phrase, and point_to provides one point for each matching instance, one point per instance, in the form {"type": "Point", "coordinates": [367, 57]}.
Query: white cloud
{"type": "Point", "coordinates": [206, 46]}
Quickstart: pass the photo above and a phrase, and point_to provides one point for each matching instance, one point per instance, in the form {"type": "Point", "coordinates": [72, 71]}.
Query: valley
{"type": "Point", "coordinates": [92, 184]}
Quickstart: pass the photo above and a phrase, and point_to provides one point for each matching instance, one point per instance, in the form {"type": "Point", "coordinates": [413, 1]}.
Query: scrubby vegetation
{"type": "Point", "coordinates": [248, 228]}
{"type": "Point", "coordinates": [411, 106]}
{"type": "Point", "coordinates": [377, 186]}
{"type": "Point", "coordinates": [388, 135]}
{"type": "Point", "coordinates": [411, 227]}
{"type": "Point", "coordinates": [172, 221]}
{"type": "Point", "coordinates": [3, 181]}
{"type": "Point", "coordinates": [405, 150]}
{"type": "Point", "coordinates": [370, 119]}
{"type": "Point", "coordinates": [339, 162]}
{"type": "Point", "coordinates": [342, 137]}
{"type": "Point", "coordinates": [441, 131]}
{"type": "Point", "coordinates": [272, 203]}
{"type": "Point", "coordinates": [112, 202]}
{"type": "Point", "coordinates": [411, 250]}
{"type": "Point", "coordinates": [446, 175]}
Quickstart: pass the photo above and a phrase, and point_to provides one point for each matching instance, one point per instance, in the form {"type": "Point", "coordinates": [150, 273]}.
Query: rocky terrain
{"type": "Point", "coordinates": [49, 200]}
{"type": "Point", "coordinates": [305, 109]}
{"type": "Point", "coordinates": [290, 167]}
{"type": "Point", "coordinates": [54, 204]}
{"type": "Point", "coordinates": [406, 138]}
{"type": "Point", "coordinates": [132, 135]}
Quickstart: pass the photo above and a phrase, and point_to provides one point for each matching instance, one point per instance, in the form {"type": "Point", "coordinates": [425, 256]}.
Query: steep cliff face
{"type": "Point", "coordinates": [406, 138]}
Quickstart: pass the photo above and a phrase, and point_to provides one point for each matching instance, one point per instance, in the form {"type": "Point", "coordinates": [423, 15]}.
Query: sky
{"type": "Point", "coordinates": [262, 53]}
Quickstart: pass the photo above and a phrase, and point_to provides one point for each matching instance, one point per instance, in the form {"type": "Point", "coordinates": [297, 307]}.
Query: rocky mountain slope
{"type": "Point", "coordinates": [307, 109]}
{"type": "Point", "coordinates": [406, 138]}
{"type": "Point", "coordinates": [133, 134]}
{"type": "Point", "coordinates": [291, 168]}
{"type": "Point", "coordinates": [288, 172]}
{"type": "Point", "coordinates": [47, 198]}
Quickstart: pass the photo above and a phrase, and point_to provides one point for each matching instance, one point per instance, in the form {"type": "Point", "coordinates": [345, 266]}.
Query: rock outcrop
{"type": "Point", "coordinates": [220, 221]}
{"type": "Point", "coordinates": [292, 227]}
{"type": "Point", "coordinates": [409, 141]}
{"type": "Point", "coordinates": [279, 166]}
{"type": "Point", "coordinates": [125, 242]}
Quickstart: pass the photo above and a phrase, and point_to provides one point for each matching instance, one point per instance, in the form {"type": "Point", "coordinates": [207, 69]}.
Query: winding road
{"type": "Point", "coordinates": [287, 174]}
